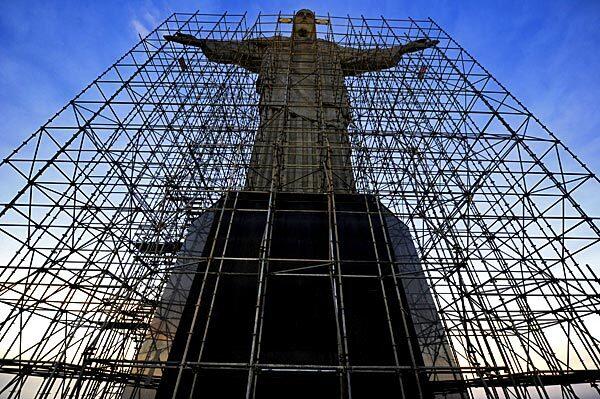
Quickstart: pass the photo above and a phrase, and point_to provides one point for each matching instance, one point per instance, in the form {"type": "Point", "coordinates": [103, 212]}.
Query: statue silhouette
{"type": "Point", "coordinates": [302, 141]}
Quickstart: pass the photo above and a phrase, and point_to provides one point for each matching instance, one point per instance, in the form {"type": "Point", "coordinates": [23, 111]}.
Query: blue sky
{"type": "Point", "coordinates": [546, 52]}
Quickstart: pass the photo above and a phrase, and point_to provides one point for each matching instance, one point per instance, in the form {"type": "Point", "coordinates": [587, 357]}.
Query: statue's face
{"type": "Point", "coordinates": [304, 25]}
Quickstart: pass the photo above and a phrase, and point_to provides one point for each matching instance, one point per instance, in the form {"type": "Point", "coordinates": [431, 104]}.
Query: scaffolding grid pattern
{"type": "Point", "coordinates": [497, 206]}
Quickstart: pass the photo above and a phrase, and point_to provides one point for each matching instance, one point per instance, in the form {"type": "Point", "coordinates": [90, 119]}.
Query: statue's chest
{"type": "Point", "coordinates": [302, 75]}
{"type": "Point", "coordinates": [310, 60]}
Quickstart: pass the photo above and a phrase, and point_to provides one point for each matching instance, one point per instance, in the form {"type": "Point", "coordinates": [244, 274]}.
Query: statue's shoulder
{"type": "Point", "coordinates": [269, 41]}
{"type": "Point", "coordinates": [327, 44]}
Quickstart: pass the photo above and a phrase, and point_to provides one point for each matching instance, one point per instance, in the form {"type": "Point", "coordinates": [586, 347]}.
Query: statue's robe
{"type": "Point", "coordinates": [302, 141]}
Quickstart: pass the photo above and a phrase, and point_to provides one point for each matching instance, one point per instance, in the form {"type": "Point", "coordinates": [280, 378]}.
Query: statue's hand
{"type": "Point", "coordinates": [183, 38]}
{"type": "Point", "coordinates": [419, 45]}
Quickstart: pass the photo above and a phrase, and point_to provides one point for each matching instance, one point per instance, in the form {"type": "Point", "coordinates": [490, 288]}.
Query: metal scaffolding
{"type": "Point", "coordinates": [106, 205]}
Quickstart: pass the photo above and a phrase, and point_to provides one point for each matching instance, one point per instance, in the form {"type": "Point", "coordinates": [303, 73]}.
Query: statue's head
{"type": "Point", "coordinates": [304, 25]}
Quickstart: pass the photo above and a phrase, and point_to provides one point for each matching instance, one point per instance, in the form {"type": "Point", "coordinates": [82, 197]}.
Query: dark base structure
{"type": "Point", "coordinates": [297, 300]}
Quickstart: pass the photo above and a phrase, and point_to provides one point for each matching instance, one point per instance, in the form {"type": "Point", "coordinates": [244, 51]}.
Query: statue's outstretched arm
{"type": "Point", "coordinates": [354, 61]}
{"type": "Point", "coordinates": [183, 38]}
{"type": "Point", "coordinates": [245, 53]}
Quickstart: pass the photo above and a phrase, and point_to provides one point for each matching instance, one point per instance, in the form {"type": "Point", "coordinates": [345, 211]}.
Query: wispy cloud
{"type": "Point", "coordinates": [151, 18]}
{"type": "Point", "coordinates": [139, 28]}
{"type": "Point", "coordinates": [147, 17]}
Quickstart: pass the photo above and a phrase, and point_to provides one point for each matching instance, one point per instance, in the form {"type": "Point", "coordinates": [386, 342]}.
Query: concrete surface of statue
{"type": "Point", "coordinates": [302, 143]}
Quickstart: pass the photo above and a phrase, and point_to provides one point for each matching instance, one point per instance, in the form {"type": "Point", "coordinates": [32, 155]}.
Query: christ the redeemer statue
{"type": "Point", "coordinates": [301, 146]}
{"type": "Point", "coordinates": [302, 141]}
